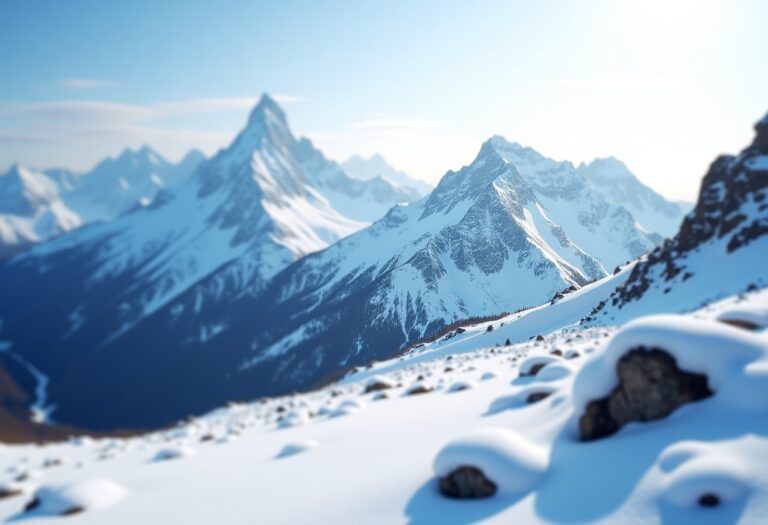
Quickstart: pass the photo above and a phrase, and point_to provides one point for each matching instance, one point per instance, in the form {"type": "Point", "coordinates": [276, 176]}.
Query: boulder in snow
{"type": "Point", "coordinates": [378, 383]}
{"type": "Point", "coordinates": [470, 465]}
{"type": "Point", "coordinates": [651, 386]}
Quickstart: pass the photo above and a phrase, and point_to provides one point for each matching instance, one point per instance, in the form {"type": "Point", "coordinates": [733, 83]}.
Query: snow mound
{"type": "Point", "coordinates": [348, 407]}
{"type": "Point", "coordinates": [487, 376]}
{"type": "Point", "coordinates": [532, 365]}
{"type": "Point", "coordinates": [294, 418]}
{"type": "Point", "coordinates": [169, 453]}
{"type": "Point", "coordinates": [701, 479]}
{"type": "Point", "coordinates": [554, 372]}
{"type": "Point", "coordinates": [735, 361]}
{"type": "Point", "coordinates": [459, 386]}
{"type": "Point", "coordinates": [506, 458]}
{"type": "Point", "coordinates": [751, 316]}
{"type": "Point", "coordinates": [91, 494]}
{"type": "Point", "coordinates": [292, 449]}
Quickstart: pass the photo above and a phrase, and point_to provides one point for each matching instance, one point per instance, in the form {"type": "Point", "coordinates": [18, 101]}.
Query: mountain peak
{"type": "Point", "coordinates": [761, 138]}
{"type": "Point", "coordinates": [266, 111]}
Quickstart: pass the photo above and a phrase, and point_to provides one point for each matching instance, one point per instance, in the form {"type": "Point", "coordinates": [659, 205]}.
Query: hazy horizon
{"type": "Point", "coordinates": [660, 86]}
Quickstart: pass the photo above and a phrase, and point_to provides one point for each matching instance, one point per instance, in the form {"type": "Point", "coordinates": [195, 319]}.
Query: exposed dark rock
{"type": "Point", "coordinates": [376, 386]}
{"type": "Point", "coordinates": [557, 352]}
{"type": "Point", "coordinates": [32, 505]}
{"type": "Point", "coordinates": [73, 510]}
{"type": "Point", "coordinates": [729, 188]}
{"type": "Point", "coordinates": [535, 397]}
{"type": "Point", "coordinates": [539, 337]}
{"type": "Point", "coordinates": [535, 369]}
{"type": "Point", "coordinates": [419, 389]}
{"type": "Point", "coordinates": [651, 387]}
{"type": "Point", "coordinates": [9, 492]}
{"type": "Point", "coordinates": [467, 483]}
{"type": "Point", "coordinates": [490, 328]}
{"type": "Point", "coordinates": [709, 500]}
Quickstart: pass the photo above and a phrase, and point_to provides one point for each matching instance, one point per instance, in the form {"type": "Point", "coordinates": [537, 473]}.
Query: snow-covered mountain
{"type": "Point", "coordinates": [117, 185]}
{"type": "Point", "coordinates": [482, 243]}
{"type": "Point", "coordinates": [248, 212]}
{"type": "Point", "coordinates": [31, 209]}
{"type": "Point", "coordinates": [37, 205]}
{"type": "Point", "coordinates": [376, 166]}
{"type": "Point", "coordinates": [613, 180]}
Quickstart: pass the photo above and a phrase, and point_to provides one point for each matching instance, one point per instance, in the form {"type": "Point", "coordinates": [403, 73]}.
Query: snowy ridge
{"type": "Point", "coordinates": [38, 205]}
{"type": "Point", "coordinates": [376, 166]}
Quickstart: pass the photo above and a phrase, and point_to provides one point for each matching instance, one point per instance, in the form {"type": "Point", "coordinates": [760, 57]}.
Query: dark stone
{"type": "Point", "coordinates": [539, 337]}
{"type": "Point", "coordinates": [32, 505]}
{"type": "Point", "coordinates": [535, 369]}
{"type": "Point", "coordinates": [376, 386]}
{"type": "Point", "coordinates": [420, 389]}
{"type": "Point", "coordinates": [73, 510]}
{"type": "Point", "coordinates": [535, 397]}
{"type": "Point", "coordinates": [709, 500]}
{"type": "Point", "coordinates": [651, 387]}
{"type": "Point", "coordinates": [490, 328]}
{"type": "Point", "coordinates": [467, 483]}
{"type": "Point", "coordinates": [9, 493]}
{"type": "Point", "coordinates": [557, 352]}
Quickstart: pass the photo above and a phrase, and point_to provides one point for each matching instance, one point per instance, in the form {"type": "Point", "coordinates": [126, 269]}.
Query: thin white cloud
{"type": "Point", "coordinates": [394, 124]}
{"type": "Point", "coordinates": [77, 111]}
{"type": "Point", "coordinates": [82, 84]}
{"type": "Point", "coordinates": [627, 84]}
{"type": "Point", "coordinates": [288, 99]}
{"type": "Point", "coordinates": [205, 105]}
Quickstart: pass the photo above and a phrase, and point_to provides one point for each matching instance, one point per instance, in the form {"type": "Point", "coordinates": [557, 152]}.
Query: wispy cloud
{"type": "Point", "coordinates": [288, 99]}
{"type": "Point", "coordinates": [394, 124]}
{"type": "Point", "coordinates": [82, 84]}
{"type": "Point", "coordinates": [95, 119]}
{"type": "Point", "coordinates": [627, 84]}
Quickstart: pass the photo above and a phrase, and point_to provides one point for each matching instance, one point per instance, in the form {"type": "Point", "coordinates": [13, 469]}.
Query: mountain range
{"type": "Point", "coordinates": [258, 275]}
{"type": "Point", "coordinates": [376, 166]}
{"type": "Point", "coordinates": [36, 205]}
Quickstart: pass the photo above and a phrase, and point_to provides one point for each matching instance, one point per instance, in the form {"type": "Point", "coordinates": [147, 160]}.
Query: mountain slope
{"type": "Point", "coordinates": [31, 209]}
{"type": "Point", "coordinates": [613, 180]}
{"type": "Point", "coordinates": [376, 166]}
{"type": "Point", "coordinates": [480, 244]}
{"type": "Point", "coordinates": [251, 210]}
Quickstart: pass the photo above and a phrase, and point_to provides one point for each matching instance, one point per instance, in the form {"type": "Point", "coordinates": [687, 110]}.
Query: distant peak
{"type": "Point", "coordinates": [267, 109]}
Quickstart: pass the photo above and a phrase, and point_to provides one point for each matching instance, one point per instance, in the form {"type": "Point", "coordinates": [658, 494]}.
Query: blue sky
{"type": "Point", "coordinates": [663, 85]}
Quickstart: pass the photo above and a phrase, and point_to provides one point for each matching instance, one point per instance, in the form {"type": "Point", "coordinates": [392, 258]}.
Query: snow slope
{"type": "Point", "coordinates": [354, 457]}
{"type": "Point", "coordinates": [618, 185]}
{"type": "Point", "coordinates": [31, 208]}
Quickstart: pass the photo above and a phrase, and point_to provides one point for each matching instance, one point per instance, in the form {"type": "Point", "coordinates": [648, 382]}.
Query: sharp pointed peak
{"type": "Point", "coordinates": [267, 109]}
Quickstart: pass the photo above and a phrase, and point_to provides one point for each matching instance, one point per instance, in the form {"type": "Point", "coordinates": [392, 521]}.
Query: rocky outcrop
{"type": "Point", "coordinates": [651, 386]}
{"type": "Point", "coordinates": [467, 483]}
{"type": "Point", "coordinates": [732, 207]}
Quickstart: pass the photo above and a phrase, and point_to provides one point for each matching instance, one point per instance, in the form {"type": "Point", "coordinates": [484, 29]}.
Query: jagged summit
{"type": "Point", "coordinates": [267, 113]}
{"type": "Point", "coordinates": [761, 135]}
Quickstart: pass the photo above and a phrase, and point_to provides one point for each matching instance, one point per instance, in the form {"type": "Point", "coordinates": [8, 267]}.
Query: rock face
{"type": "Point", "coordinates": [651, 387]}
{"type": "Point", "coordinates": [731, 213]}
{"type": "Point", "coordinates": [467, 483]}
